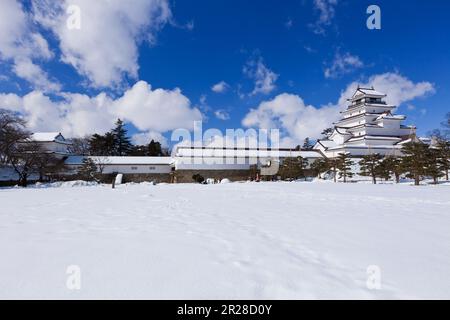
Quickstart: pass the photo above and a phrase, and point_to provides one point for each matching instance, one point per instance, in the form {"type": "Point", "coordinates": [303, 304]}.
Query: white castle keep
{"type": "Point", "coordinates": [367, 126]}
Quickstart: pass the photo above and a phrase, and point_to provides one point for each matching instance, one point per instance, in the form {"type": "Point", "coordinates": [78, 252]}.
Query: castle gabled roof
{"type": "Point", "coordinates": [326, 143]}
{"type": "Point", "coordinates": [371, 92]}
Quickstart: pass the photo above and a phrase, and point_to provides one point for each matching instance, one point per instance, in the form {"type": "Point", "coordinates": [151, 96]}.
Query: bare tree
{"type": "Point", "coordinates": [80, 146]}
{"type": "Point", "coordinates": [48, 165]}
{"type": "Point", "coordinates": [25, 159]}
{"type": "Point", "coordinates": [101, 163]}
{"type": "Point", "coordinates": [25, 156]}
{"type": "Point", "coordinates": [12, 131]}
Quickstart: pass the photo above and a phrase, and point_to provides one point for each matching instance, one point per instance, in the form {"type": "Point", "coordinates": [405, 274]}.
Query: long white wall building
{"type": "Point", "coordinates": [239, 158]}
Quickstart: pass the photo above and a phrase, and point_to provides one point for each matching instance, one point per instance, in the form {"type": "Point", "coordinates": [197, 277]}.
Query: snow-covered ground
{"type": "Point", "coordinates": [236, 240]}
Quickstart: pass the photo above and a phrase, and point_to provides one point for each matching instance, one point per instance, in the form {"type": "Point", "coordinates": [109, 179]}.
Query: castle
{"type": "Point", "coordinates": [368, 125]}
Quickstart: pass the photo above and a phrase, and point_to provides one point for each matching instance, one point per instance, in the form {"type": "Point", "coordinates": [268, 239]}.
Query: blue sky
{"type": "Point", "coordinates": [308, 52]}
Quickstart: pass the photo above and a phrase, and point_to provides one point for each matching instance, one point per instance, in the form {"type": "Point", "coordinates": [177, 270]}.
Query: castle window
{"type": "Point", "coordinates": [134, 168]}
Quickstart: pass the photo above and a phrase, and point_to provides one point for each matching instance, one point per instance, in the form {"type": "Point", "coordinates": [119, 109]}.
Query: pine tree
{"type": "Point", "coordinates": [102, 145]}
{"type": "Point", "coordinates": [370, 166]}
{"type": "Point", "coordinates": [334, 164]}
{"type": "Point", "coordinates": [320, 166]}
{"type": "Point", "coordinates": [344, 164]}
{"type": "Point", "coordinates": [88, 169]}
{"type": "Point", "coordinates": [292, 168]}
{"type": "Point", "coordinates": [303, 163]}
{"type": "Point", "coordinates": [444, 156]}
{"type": "Point", "coordinates": [138, 151]}
{"type": "Point", "coordinates": [307, 144]}
{"type": "Point", "coordinates": [122, 144]}
{"type": "Point", "coordinates": [391, 165]}
{"type": "Point", "coordinates": [432, 169]}
{"type": "Point", "coordinates": [326, 132]}
{"type": "Point", "coordinates": [415, 160]}
{"type": "Point", "coordinates": [154, 149]}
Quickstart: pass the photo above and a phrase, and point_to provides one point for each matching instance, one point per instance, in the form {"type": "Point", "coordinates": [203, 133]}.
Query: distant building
{"type": "Point", "coordinates": [368, 126]}
{"type": "Point", "coordinates": [133, 168]}
{"type": "Point", "coordinates": [232, 163]}
{"type": "Point", "coordinates": [53, 142]}
{"type": "Point", "coordinates": [209, 162]}
{"type": "Point", "coordinates": [50, 142]}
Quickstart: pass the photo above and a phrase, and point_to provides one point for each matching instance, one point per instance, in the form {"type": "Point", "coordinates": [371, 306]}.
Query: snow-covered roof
{"type": "Point", "coordinates": [340, 131]}
{"type": "Point", "coordinates": [352, 108]}
{"type": "Point", "coordinates": [327, 143]}
{"type": "Point", "coordinates": [353, 118]}
{"type": "Point", "coordinates": [242, 153]}
{"type": "Point", "coordinates": [364, 125]}
{"type": "Point", "coordinates": [371, 92]}
{"type": "Point", "coordinates": [46, 136]}
{"type": "Point", "coordinates": [373, 137]}
{"type": "Point", "coordinates": [77, 160]}
{"type": "Point", "coordinates": [390, 116]}
{"type": "Point", "coordinates": [416, 139]}
{"type": "Point", "coordinates": [379, 105]}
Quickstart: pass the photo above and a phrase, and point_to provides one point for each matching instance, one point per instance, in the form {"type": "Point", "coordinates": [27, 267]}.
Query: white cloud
{"type": "Point", "coordinates": [244, 139]}
{"type": "Point", "coordinates": [264, 77]}
{"type": "Point", "coordinates": [105, 49]}
{"type": "Point", "coordinates": [144, 138]}
{"type": "Point", "coordinates": [326, 9]}
{"type": "Point", "coordinates": [290, 114]}
{"type": "Point", "coordinates": [150, 110]}
{"type": "Point", "coordinates": [297, 120]}
{"type": "Point", "coordinates": [21, 46]}
{"type": "Point", "coordinates": [26, 69]}
{"type": "Point", "coordinates": [342, 64]}
{"type": "Point", "coordinates": [220, 87]}
{"type": "Point", "coordinates": [222, 114]}
{"type": "Point", "coordinates": [398, 88]}
{"type": "Point", "coordinates": [159, 110]}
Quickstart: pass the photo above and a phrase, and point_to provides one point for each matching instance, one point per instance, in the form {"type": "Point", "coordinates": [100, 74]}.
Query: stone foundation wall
{"type": "Point", "coordinates": [147, 177]}
{"type": "Point", "coordinates": [185, 176]}
{"type": "Point", "coordinates": [179, 176]}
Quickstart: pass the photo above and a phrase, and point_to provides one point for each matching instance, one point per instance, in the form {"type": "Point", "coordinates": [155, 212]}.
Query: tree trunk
{"type": "Point", "coordinates": [374, 179]}
{"type": "Point", "coordinates": [435, 180]}
{"type": "Point", "coordinates": [446, 175]}
{"type": "Point", "coordinates": [416, 180]}
{"type": "Point", "coordinates": [397, 178]}
{"type": "Point", "coordinates": [23, 181]}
